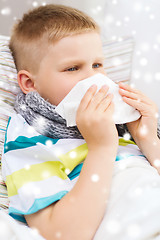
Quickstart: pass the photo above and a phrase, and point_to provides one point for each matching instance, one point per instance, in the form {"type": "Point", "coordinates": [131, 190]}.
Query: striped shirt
{"type": "Point", "coordinates": [39, 170]}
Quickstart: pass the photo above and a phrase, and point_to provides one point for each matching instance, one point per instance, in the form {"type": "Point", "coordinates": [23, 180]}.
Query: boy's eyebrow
{"type": "Point", "coordinates": [79, 61]}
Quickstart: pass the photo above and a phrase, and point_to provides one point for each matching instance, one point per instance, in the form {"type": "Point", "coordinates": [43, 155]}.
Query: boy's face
{"type": "Point", "coordinates": [67, 62]}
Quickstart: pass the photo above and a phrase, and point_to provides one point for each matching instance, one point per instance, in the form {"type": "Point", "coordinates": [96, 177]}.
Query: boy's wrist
{"type": "Point", "coordinates": [103, 150]}
{"type": "Point", "coordinates": [148, 145]}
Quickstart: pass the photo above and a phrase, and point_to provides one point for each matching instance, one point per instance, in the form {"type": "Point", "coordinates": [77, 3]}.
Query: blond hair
{"type": "Point", "coordinates": [43, 26]}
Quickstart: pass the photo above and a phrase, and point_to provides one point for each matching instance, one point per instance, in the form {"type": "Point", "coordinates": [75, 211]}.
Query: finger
{"type": "Point", "coordinates": [98, 97]}
{"type": "Point", "coordinates": [87, 97]}
{"type": "Point", "coordinates": [139, 96]}
{"type": "Point", "coordinates": [125, 93]}
{"type": "Point", "coordinates": [126, 86]}
{"type": "Point", "coordinates": [129, 88]}
{"type": "Point", "coordinates": [140, 106]}
{"type": "Point", "coordinates": [103, 105]}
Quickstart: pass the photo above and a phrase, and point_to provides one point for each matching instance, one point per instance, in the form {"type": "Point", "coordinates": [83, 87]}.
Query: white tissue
{"type": "Point", "coordinates": [67, 108]}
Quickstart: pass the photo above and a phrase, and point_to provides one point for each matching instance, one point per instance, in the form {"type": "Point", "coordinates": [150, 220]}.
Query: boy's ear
{"type": "Point", "coordinates": [25, 81]}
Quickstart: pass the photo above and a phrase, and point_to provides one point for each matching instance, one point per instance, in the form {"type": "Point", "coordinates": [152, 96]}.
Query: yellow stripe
{"type": "Point", "coordinates": [74, 157]}
{"type": "Point", "coordinates": [123, 142]}
{"type": "Point", "coordinates": [36, 172]}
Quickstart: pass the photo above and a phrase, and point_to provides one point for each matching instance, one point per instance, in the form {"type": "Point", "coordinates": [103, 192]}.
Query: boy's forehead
{"type": "Point", "coordinates": [78, 39]}
{"type": "Point", "coordinates": [74, 49]}
{"type": "Point", "coordinates": [77, 44]}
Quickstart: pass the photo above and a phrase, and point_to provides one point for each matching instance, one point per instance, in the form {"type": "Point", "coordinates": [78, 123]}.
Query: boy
{"type": "Point", "coordinates": [54, 47]}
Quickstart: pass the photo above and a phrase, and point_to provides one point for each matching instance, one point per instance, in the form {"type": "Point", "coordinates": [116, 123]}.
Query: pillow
{"type": "Point", "coordinates": [8, 86]}
{"type": "Point", "coordinates": [8, 90]}
{"type": "Point", "coordinates": [118, 59]}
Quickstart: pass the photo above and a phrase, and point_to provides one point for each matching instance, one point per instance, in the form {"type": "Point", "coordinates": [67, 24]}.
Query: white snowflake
{"type": "Point", "coordinates": [155, 46]}
{"type": "Point", "coordinates": [35, 4]}
{"type": "Point", "coordinates": [113, 227]}
{"type": "Point", "coordinates": [99, 8]}
{"type": "Point", "coordinates": [27, 166]}
{"type": "Point", "coordinates": [147, 8]}
{"type": "Point", "coordinates": [49, 143]}
{"type": "Point", "coordinates": [35, 231]}
{"type": "Point", "coordinates": [114, 2]}
{"type": "Point", "coordinates": [96, 10]}
{"type": "Point", "coordinates": [132, 85]}
{"type": "Point", "coordinates": [6, 11]}
{"type": "Point", "coordinates": [148, 77]}
{"type": "Point", "coordinates": [133, 32]}
{"type": "Point", "coordinates": [136, 74]}
{"type": "Point", "coordinates": [156, 115]}
{"type": "Point", "coordinates": [143, 61]}
{"type": "Point", "coordinates": [127, 136]}
{"type": "Point", "coordinates": [122, 165]}
{"type": "Point", "coordinates": [157, 76]}
{"type": "Point", "coordinates": [46, 174]}
{"type": "Point", "coordinates": [152, 16]}
{"type": "Point", "coordinates": [95, 178]}
{"type": "Point", "coordinates": [23, 107]}
{"type": "Point", "coordinates": [116, 61]}
{"type": "Point", "coordinates": [137, 7]}
{"type": "Point", "coordinates": [30, 129]}
{"type": "Point", "coordinates": [157, 163]}
{"type": "Point", "coordinates": [109, 19]}
{"type": "Point", "coordinates": [67, 171]}
{"type": "Point", "coordinates": [126, 19]}
{"type": "Point", "coordinates": [143, 130]}
{"type": "Point", "coordinates": [118, 23]}
{"type": "Point", "coordinates": [138, 53]}
{"type": "Point", "coordinates": [58, 234]}
{"type": "Point", "coordinates": [44, 3]}
{"type": "Point", "coordinates": [73, 154]}
{"type": "Point", "coordinates": [155, 143]}
{"type": "Point", "coordinates": [145, 47]}
{"type": "Point", "coordinates": [114, 38]}
{"type": "Point", "coordinates": [40, 121]}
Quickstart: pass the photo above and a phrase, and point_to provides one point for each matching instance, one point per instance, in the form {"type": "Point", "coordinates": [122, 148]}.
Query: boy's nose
{"type": "Point", "coordinates": [88, 74]}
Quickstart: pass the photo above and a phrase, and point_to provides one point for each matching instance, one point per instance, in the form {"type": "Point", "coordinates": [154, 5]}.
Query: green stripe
{"type": "Point", "coordinates": [36, 172]}
{"type": "Point", "coordinates": [74, 157]}
{"type": "Point", "coordinates": [25, 142]}
{"type": "Point", "coordinates": [123, 142]}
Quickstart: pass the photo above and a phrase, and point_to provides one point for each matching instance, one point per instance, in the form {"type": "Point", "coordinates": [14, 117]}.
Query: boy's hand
{"type": "Point", "coordinates": [95, 119]}
{"type": "Point", "coordinates": [146, 126]}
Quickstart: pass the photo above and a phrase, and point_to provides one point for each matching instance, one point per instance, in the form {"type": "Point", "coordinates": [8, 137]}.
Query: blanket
{"type": "Point", "coordinates": [13, 230]}
{"type": "Point", "coordinates": [133, 209]}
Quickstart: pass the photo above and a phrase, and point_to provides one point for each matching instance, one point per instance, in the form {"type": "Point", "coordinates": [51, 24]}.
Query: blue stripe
{"type": "Point", "coordinates": [2, 129]}
{"type": "Point", "coordinates": [121, 157]}
{"type": "Point", "coordinates": [9, 119]}
{"type": "Point", "coordinates": [25, 142]}
{"type": "Point", "coordinates": [20, 218]}
{"type": "Point", "coordinates": [76, 171]}
{"type": "Point", "coordinates": [38, 204]}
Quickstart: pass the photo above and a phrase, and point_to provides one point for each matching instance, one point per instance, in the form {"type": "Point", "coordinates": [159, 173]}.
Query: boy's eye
{"type": "Point", "coordinates": [97, 65]}
{"type": "Point", "coordinates": [72, 69]}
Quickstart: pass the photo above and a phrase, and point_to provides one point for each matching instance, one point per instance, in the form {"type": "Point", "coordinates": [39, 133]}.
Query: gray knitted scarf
{"type": "Point", "coordinates": [41, 114]}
